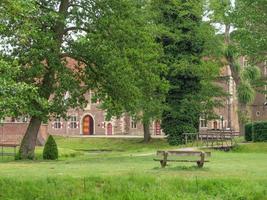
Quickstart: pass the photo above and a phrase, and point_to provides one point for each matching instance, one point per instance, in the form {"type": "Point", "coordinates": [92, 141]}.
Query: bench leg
{"type": "Point", "coordinates": [200, 163]}
{"type": "Point", "coordinates": [164, 161]}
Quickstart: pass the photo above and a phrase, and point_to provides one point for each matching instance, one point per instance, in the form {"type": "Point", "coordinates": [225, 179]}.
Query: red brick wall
{"type": "Point", "coordinates": [15, 131]}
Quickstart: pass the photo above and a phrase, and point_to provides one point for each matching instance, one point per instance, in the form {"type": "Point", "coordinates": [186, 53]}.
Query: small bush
{"type": "Point", "coordinates": [248, 132]}
{"type": "Point", "coordinates": [50, 150]}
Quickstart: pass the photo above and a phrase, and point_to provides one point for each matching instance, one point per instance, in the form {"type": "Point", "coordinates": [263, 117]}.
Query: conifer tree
{"type": "Point", "coordinates": [186, 39]}
{"type": "Point", "coordinates": [50, 151]}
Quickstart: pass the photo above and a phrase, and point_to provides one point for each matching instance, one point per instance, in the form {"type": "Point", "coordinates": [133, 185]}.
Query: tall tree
{"type": "Point", "coordinates": [237, 39]}
{"type": "Point", "coordinates": [108, 39]}
{"type": "Point", "coordinates": [185, 39]}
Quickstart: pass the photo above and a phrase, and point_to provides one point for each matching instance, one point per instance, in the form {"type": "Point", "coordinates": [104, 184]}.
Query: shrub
{"type": "Point", "coordinates": [248, 132]}
{"type": "Point", "coordinates": [260, 132]}
{"type": "Point", "coordinates": [50, 150]}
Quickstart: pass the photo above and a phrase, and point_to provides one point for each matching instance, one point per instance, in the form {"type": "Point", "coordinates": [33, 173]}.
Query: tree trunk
{"type": "Point", "coordinates": [28, 143]}
{"type": "Point", "coordinates": [147, 136]}
{"type": "Point", "coordinates": [242, 109]}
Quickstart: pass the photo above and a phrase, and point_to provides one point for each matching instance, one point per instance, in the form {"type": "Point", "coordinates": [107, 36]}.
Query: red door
{"type": "Point", "coordinates": [157, 128]}
{"type": "Point", "coordinates": [109, 129]}
{"type": "Point", "coordinates": [88, 125]}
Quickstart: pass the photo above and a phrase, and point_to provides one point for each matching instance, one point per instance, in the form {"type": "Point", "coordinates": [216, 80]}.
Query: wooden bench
{"type": "Point", "coordinates": [13, 145]}
{"type": "Point", "coordinates": [164, 157]}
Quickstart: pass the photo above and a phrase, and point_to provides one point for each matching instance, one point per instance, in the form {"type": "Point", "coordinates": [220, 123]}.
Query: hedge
{"type": "Point", "coordinates": [256, 132]}
{"type": "Point", "coordinates": [248, 132]}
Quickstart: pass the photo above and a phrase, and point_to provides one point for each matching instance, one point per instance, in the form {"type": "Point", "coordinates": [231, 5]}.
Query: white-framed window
{"type": "Point", "coordinates": [57, 123]}
{"type": "Point", "coordinates": [73, 122]}
{"type": "Point", "coordinates": [133, 122]}
{"type": "Point", "coordinates": [16, 119]}
{"type": "Point", "coordinates": [24, 119]}
{"type": "Point", "coordinates": [203, 123]}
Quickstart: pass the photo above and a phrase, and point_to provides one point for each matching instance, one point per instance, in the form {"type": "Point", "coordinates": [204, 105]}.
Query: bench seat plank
{"type": "Point", "coordinates": [180, 160]}
{"type": "Point", "coordinates": [183, 153]}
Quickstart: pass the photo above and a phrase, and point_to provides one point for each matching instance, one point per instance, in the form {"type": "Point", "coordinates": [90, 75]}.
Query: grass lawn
{"type": "Point", "coordinates": [100, 168]}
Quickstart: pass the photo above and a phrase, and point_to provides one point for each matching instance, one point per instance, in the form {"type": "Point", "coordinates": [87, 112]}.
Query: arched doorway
{"type": "Point", "coordinates": [157, 128]}
{"type": "Point", "coordinates": [109, 129]}
{"type": "Point", "coordinates": [88, 125]}
{"type": "Point", "coordinates": [215, 125]}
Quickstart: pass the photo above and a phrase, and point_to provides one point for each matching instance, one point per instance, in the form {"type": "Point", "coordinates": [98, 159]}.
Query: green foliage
{"type": "Point", "coordinates": [131, 186]}
{"type": "Point", "coordinates": [251, 74]}
{"type": "Point", "coordinates": [113, 43]}
{"type": "Point", "coordinates": [243, 28]}
{"type": "Point", "coordinates": [229, 52]}
{"type": "Point", "coordinates": [15, 96]}
{"type": "Point", "coordinates": [50, 149]}
{"type": "Point", "coordinates": [256, 132]}
{"type": "Point", "coordinates": [236, 68]}
{"type": "Point", "coordinates": [245, 92]}
{"type": "Point", "coordinates": [252, 38]}
{"type": "Point", "coordinates": [248, 131]}
{"type": "Point", "coordinates": [260, 132]}
{"type": "Point", "coordinates": [186, 40]}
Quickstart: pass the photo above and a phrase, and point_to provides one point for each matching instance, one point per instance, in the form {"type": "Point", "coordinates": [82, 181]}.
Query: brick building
{"type": "Point", "coordinates": [91, 120]}
{"type": "Point", "coordinates": [259, 107]}
{"type": "Point", "coordinates": [227, 114]}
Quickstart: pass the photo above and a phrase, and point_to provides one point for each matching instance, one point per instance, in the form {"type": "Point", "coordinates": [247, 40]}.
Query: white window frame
{"type": "Point", "coordinates": [73, 124]}
{"type": "Point", "coordinates": [57, 123]}
{"type": "Point", "coordinates": [133, 123]}
{"type": "Point", "coordinates": [203, 123]}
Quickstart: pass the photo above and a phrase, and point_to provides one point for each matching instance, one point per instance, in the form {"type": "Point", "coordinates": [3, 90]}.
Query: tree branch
{"type": "Point", "coordinates": [75, 28]}
{"type": "Point", "coordinates": [77, 58]}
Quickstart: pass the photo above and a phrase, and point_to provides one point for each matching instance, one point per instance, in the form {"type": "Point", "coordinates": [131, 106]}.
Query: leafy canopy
{"type": "Point", "coordinates": [111, 41]}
